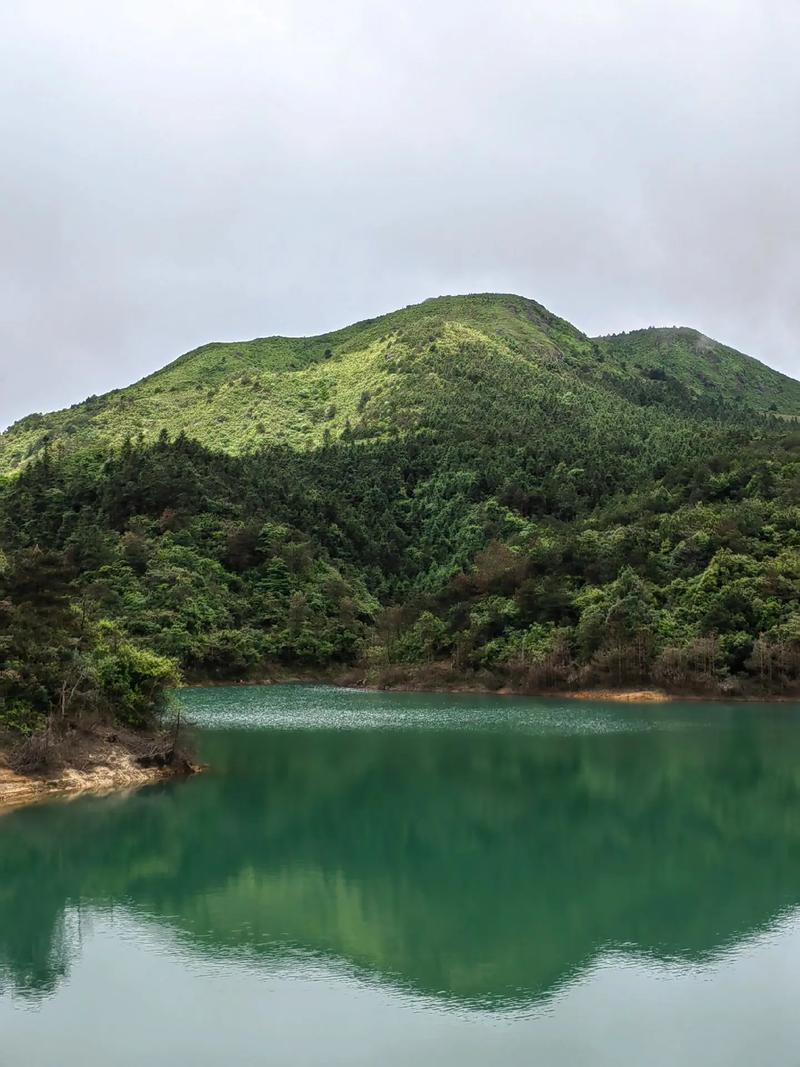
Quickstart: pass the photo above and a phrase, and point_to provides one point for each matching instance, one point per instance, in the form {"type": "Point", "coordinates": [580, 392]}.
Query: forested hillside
{"type": "Point", "coordinates": [468, 490]}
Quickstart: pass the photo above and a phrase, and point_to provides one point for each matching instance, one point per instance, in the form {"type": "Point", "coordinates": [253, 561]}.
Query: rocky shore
{"type": "Point", "coordinates": [89, 761]}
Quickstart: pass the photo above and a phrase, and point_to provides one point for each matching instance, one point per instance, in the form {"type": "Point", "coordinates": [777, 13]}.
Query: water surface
{"type": "Point", "coordinates": [393, 878]}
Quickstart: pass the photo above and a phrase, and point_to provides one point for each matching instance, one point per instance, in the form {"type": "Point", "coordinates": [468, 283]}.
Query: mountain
{"type": "Point", "coordinates": [405, 371]}
{"type": "Point", "coordinates": [704, 366]}
{"type": "Point", "coordinates": [469, 491]}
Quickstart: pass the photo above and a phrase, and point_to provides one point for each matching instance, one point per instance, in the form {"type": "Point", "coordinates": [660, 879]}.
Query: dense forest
{"type": "Point", "coordinates": [503, 502]}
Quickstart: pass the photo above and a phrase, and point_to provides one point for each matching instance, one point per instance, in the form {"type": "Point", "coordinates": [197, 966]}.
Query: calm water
{"type": "Point", "coordinates": [401, 879]}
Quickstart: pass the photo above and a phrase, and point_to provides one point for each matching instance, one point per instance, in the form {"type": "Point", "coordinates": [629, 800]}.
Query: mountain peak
{"type": "Point", "coordinates": [704, 366]}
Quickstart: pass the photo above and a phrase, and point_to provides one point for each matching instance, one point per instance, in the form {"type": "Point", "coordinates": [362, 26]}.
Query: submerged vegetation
{"type": "Point", "coordinates": [466, 489]}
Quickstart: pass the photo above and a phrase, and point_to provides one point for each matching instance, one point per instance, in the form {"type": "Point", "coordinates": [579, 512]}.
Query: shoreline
{"type": "Point", "coordinates": [98, 763]}
{"type": "Point", "coordinates": [101, 762]}
{"type": "Point", "coordinates": [351, 679]}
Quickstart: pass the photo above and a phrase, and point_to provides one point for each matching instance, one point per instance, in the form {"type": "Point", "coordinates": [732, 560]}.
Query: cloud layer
{"type": "Point", "coordinates": [186, 171]}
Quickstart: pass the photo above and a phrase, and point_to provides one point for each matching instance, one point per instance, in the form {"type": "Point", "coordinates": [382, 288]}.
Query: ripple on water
{"type": "Point", "coordinates": [311, 707]}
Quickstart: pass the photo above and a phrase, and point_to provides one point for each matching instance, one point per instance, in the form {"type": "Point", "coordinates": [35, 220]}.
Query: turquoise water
{"type": "Point", "coordinates": [370, 878]}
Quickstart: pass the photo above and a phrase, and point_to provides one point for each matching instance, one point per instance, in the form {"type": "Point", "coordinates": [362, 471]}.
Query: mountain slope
{"type": "Point", "coordinates": [427, 365]}
{"type": "Point", "coordinates": [703, 366]}
{"type": "Point", "coordinates": [294, 391]}
{"type": "Point", "coordinates": [470, 486]}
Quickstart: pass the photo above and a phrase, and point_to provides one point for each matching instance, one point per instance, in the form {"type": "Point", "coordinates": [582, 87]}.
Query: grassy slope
{"type": "Point", "coordinates": [294, 391]}
{"type": "Point", "coordinates": [704, 366]}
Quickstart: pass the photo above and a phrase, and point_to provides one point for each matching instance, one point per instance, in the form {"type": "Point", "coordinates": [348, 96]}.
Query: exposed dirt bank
{"type": "Point", "coordinates": [90, 761]}
{"type": "Point", "coordinates": [633, 696]}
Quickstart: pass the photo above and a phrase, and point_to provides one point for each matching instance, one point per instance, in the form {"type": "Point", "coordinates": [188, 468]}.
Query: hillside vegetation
{"type": "Point", "coordinates": [703, 366]}
{"type": "Point", "coordinates": [476, 493]}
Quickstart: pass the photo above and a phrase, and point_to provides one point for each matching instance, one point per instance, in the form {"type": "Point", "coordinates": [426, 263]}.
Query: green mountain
{"type": "Point", "coordinates": [470, 488]}
{"type": "Point", "coordinates": [703, 366]}
{"type": "Point", "coordinates": [440, 360]}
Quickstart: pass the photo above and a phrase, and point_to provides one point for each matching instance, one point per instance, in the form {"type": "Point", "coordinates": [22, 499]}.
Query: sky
{"type": "Point", "coordinates": [176, 172]}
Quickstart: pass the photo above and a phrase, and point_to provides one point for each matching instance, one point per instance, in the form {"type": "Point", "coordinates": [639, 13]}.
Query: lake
{"type": "Point", "coordinates": [367, 878]}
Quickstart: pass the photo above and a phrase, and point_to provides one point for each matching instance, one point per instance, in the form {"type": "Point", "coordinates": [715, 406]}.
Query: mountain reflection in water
{"type": "Point", "coordinates": [483, 853]}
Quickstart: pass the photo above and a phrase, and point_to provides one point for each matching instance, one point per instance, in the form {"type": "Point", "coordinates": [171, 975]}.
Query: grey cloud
{"type": "Point", "coordinates": [175, 173]}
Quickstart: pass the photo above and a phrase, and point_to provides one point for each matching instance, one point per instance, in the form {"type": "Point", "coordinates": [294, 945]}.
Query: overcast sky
{"type": "Point", "coordinates": [175, 172]}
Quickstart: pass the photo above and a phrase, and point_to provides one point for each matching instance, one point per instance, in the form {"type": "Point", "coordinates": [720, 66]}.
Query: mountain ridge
{"type": "Point", "coordinates": [304, 391]}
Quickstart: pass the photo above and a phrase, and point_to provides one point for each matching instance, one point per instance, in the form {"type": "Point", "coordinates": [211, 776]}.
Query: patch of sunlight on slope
{"type": "Point", "coordinates": [252, 408]}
